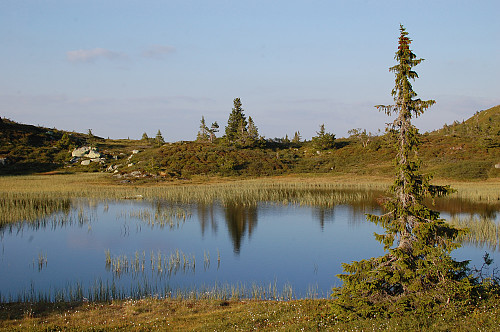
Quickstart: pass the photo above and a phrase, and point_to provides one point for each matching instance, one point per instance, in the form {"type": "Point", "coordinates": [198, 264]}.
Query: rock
{"type": "Point", "coordinates": [497, 165]}
{"type": "Point", "coordinates": [85, 162]}
{"type": "Point", "coordinates": [131, 164]}
{"type": "Point", "coordinates": [74, 160]}
{"type": "Point", "coordinates": [80, 152]}
{"type": "Point", "coordinates": [93, 154]}
{"type": "Point", "coordinates": [3, 161]}
{"type": "Point", "coordinates": [98, 160]}
{"type": "Point", "coordinates": [136, 174]}
{"type": "Point", "coordinates": [135, 151]}
{"type": "Point", "coordinates": [86, 151]}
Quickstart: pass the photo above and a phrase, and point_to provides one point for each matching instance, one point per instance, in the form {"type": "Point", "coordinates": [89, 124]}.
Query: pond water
{"type": "Point", "coordinates": [122, 245]}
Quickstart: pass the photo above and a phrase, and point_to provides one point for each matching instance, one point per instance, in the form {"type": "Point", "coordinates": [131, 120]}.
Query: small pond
{"type": "Point", "coordinates": [137, 248]}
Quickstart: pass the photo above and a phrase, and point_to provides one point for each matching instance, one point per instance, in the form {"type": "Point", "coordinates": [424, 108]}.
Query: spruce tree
{"type": "Point", "coordinates": [323, 140]}
{"type": "Point", "coordinates": [296, 137]}
{"type": "Point", "coordinates": [417, 272]}
{"type": "Point", "coordinates": [159, 138]}
{"type": "Point", "coordinates": [237, 122]}
{"type": "Point", "coordinates": [214, 128]}
{"type": "Point", "coordinates": [203, 133]}
{"type": "Point", "coordinates": [252, 134]}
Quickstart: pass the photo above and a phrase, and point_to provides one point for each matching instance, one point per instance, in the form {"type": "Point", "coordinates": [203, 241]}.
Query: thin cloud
{"type": "Point", "coordinates": [158, 51]}
{"type": "Point", "coordinates": [91, 55]}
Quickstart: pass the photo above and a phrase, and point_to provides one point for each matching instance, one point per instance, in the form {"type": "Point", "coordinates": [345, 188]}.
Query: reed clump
{"type": "Point", "coordinates": [108, 290]}
{"type": "Point", "coordinates": [165, 217]}
{"type": "Point", "coordinates": [159, 263]}
{"type": "Point", "coordinates": [482, 232]}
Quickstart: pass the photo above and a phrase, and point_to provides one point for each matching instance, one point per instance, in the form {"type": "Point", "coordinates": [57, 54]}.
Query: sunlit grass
{"type": "Point", "coordinates": [173, 314]}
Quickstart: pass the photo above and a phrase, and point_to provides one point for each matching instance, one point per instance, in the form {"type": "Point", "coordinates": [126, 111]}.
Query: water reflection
{"type": "Point", "coordinates": [239, 220]}
{"type": "Point", "coordinates": [206, 217]}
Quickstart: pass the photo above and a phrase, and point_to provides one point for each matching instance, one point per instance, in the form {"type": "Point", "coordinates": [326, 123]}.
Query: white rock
{"type": "Point", "coordinates": [85, 162]}
{"type": "Point", "coordinates": [86, 151]}
{"type": "Point", "coordinates": [497, 165]}
{"type": "Point", "coordinates": [135, 151]}
{"type": "Point", "coordinates": [80, 152]}
{"type": "Point", "coordinates": [93, 154]}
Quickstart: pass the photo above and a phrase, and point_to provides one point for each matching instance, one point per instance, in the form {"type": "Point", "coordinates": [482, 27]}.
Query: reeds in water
{"type": "Point", "coordinates": [159, 263]}
{"type": "Point", "coordinates": [165, 217]}
{"type": "Point", "coordinates": [108, 290]}
{"type": "Point", "coordinates": [481, 231]}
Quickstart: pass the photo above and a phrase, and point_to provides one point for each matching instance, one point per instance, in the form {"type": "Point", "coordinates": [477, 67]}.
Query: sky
{"type": "Point", "coordinates": [122, 68]}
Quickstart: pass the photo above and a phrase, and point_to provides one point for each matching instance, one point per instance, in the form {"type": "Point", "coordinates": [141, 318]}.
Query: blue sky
{"type": "Point", "coordinates": [122, 67]}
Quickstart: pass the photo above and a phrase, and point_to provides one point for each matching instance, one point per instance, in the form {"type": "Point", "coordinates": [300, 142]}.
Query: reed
{"type": "Point", "coordinates": [41, 261]}
{"type": "Point", "coordinates": [108, 290]}
{"type": "Point", "coordinates": [172, 217]}
{"type": "Point", "coordinates": [481, 232]}
{"type": "Point", "coordinates": [159, 263]}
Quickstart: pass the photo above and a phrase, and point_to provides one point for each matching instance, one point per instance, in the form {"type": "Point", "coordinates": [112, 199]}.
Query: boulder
{"type": "Point", "coordinates": [135, 151]}
{"type": "Point", "coordinates": [3, 161]}
{"type": "Point", "coordinates": [98, 160]}
{"type": "Point", "coordinates": [85, 162]}
{"type": "Point", "coordinates": [93, 154]}
{"type": "Point", "coordinates": [80, 152]}
{"type": "Point", "coordinates": [497, 165]}
{"type": "Point", "coordinates": [86, 151]}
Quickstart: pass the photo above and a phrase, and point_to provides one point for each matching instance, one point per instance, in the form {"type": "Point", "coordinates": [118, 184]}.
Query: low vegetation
{"type": "Point", "coordinates": [466, 150]}
{"type": "Point", "coordinates": [230, 315]}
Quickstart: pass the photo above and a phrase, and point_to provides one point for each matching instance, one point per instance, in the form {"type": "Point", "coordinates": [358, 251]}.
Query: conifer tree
{"type": "Point", "coordinates": [159, 138]}
{"type": "Point", "coordinates": [417, 272]}
{"type": "Point", "coordinates": [203, 133]}
{"type": "Point", "coordinates": [237, 122]}
{"type": "Point", "coordinates": [296, 137]}
{"type": "Point", "coordinates": [145, 137]}
{"type": "Point", "coordinates": [252, 131]}
{"type": "Point", "coordinates": [214, 128]}
{"type": "Point", "coordinates": [323, 140]}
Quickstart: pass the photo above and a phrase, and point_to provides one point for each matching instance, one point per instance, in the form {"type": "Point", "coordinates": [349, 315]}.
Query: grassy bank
{"type": "Point", "coordinates": [216, 315]}
{"type": "Point", "coordinates": [104, 186]}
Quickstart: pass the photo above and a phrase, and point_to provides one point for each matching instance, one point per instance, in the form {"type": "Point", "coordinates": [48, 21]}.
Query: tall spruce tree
{"type": "Point", "coordinates": [417, 272]}
{"type": "Point", "coordinates": [237, 122]}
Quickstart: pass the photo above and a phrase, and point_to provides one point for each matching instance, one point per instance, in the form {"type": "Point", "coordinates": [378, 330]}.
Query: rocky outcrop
{"type": "Point", "coordinates": [89, 154]}
{"type": "Point", "coordinates": [86, 152]}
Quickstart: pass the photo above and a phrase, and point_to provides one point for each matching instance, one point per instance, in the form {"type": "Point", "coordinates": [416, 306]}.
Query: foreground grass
{"type": "Point", "coordinates": [216, 315]}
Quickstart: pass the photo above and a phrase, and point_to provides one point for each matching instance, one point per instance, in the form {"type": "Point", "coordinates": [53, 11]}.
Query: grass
{"type": "Point", "coordinates": [232, 315]}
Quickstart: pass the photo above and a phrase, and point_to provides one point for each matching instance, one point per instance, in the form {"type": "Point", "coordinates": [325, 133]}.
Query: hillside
{"type": "Point", "coordinates": [467, 150]}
